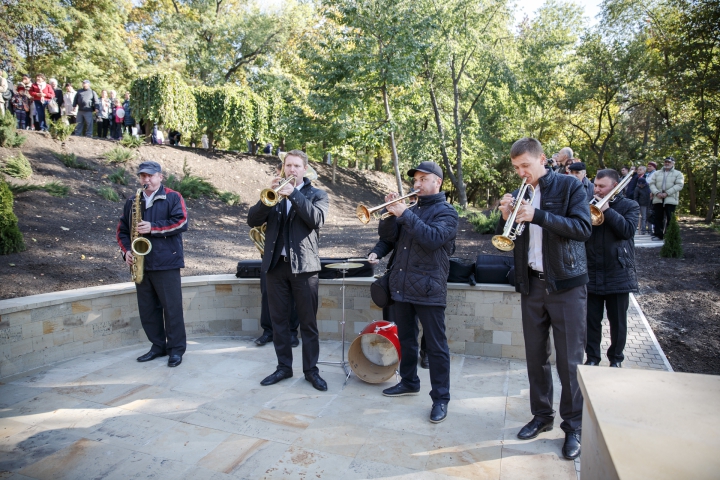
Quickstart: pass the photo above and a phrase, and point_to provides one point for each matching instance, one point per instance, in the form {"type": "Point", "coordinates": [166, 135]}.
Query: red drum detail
{"type": "Point", "coordinates": [374, 356]}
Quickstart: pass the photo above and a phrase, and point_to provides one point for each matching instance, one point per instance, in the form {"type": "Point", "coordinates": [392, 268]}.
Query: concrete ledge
{"type": "Point", "coordinates": [640, 424]}
{"type": "Point", "coordinates": [482, 320]}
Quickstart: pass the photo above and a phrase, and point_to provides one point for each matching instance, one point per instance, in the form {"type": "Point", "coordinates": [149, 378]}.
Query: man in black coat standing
{"type": "Point", "coordinates": [551, 276]}
{"type": "Point", "coordinates": [423, 238]}
{"type": "Point", "coordinates": [611, 265]}
{"type": "Point", "coordinates": [291, 264]}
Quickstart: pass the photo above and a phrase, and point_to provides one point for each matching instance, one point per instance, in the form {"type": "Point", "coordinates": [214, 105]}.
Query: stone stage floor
{"type": "Point", "coordinates": [105, 415]}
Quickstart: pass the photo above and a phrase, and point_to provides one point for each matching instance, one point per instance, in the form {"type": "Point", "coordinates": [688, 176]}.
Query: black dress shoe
{"type": "Point", "coordinates": [275, 378]}
{"type": "Point", "coordinates": [294, 342]}
{"type": "Point", "coordinates": [424, 363]}
{"type": "Point", "coordinates": [150, 356]}
{"type": "Point", "coordinates": [534, 428]}
{"type": "Point", "coordinates": [592, 362]}
{"type": "Point", "coordinates": [316, 381]}
{"type": "Point", "coordinates": [438, 412]}
{"type": "Point", "coordinates": [263, 339]}
{"type": "Point", "coordinates": [616, 364]}
{"type": "Point", "coordinates": [399, 390]}
{"type": "Point", "coordinates": [571, 448]}
{"type": "Point", "coordinates": [174, 360]}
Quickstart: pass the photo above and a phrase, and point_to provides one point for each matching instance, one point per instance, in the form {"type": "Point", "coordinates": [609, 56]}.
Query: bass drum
{"type": "Point", "coordinates": [374, 356]}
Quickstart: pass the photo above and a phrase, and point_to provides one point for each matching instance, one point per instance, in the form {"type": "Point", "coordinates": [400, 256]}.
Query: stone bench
{"type": "Point", "coordinates": [481, 320]}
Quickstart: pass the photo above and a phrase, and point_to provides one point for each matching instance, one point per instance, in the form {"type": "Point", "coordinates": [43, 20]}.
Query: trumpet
{"type": "Point", "coordinates": [364, 214]}
{"type": "Point", "coordinates": [596, 215]}
{"type": "Point", "coordinates": [506, 241]}
{"type": "Point", "coordinates": [270, 196]}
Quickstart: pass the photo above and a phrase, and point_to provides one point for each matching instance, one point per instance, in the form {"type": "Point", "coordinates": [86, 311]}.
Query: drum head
{"type": "Point", "coordinates": [378, 347]}
{"type": "Point", "coordinates": [378, 350]}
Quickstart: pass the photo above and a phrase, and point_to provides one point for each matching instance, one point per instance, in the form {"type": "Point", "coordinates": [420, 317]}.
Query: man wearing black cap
{"type": "Point", "coordinates": [423, 238]}
{"type": "Point", "coordinates": [164, 218]}
{"type": "Point", "coordinates": [579, 171]}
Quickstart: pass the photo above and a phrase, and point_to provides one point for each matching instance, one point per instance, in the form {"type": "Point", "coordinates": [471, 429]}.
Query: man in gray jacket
{"type": "Point", "coordinates": [86, 101]}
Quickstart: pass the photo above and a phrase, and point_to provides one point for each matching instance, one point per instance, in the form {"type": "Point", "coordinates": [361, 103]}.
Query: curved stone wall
{"type": "Point", "coordinates": [44, 329]}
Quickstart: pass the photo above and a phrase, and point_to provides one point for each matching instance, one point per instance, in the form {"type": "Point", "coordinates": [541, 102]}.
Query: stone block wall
{"type": "Point", "coordinates": [42, 329]}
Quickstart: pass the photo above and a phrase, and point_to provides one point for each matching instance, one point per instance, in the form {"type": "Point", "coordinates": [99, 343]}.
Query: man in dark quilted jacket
{"type": "Point", "coordinates": [423, 238]}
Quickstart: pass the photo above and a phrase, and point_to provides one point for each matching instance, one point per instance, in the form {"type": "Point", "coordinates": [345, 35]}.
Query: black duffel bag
{"type": "Point", "coordinates": [461, 271]}
{"type": "Point", "coordinates": [248, 269]}
{"type": "Point", "coordinates": [494, 269]}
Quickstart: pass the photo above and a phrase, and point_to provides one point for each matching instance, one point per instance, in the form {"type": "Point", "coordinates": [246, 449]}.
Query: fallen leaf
{"type": "Point", "coordinates": [110, 229]}
{"type": "Point", "coordinates": [12, 264]}
{"type": "Point", "coordinates": [82, 257]}
{"type": "Point", "coordinates": [65, 228]}
{"type": "Point", "coordinates": [34, 240]}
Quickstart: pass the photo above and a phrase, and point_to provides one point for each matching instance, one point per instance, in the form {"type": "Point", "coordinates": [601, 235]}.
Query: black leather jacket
{"type": "Point", "coordinates": [564, 216]}
{"type": "Point", "coordinates": [423, 239]}
{"type": "Point", "coordinates": [611, 249]}
{"type": "Point", "coordinates": [310, 206]}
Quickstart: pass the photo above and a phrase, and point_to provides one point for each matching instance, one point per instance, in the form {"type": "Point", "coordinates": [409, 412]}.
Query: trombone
{"type": "Point", "coordinates": [596, 215]}
{"type": "Point", "coordinates": [364, 214]}
{"type": "Point", "coordinates": [506, 241]}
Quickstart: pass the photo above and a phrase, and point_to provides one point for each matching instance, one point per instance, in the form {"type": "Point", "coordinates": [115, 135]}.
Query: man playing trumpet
{"type": "Point", "coordinates": [423, 238]}
{"type": "Point", "coordinates": [291, 264]}
{"type": "Point", "coordinates": [551, 276]}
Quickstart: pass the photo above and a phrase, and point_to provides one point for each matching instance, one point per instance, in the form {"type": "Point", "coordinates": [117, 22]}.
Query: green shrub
{"type": "Point", "coordinates": [131, 142]}
{"type": "Point", "coordinates": [70, 160]}
{"type": "Point", "coordinates": [672, 248]}
{"type": "Point", "coordinates": [56, 189]}
{"type": "Point", "coordinates": [8, 131]}
{"type": "Point", "coordinates": [229, 198]}
{"type": "Point", "coordinates": [18, 167]}
{"type": "Point", "coordinates": [59, 130]}
{"type": "Point", "coordinates": [108, 193]}
{"type": "Point", "coordinates": [191, 186]}
{"type": "Point", "coordinates": [485, 224]}
{"type": "Point", "coordinates": [26, 187]}
{"type": "Point", "coordinates": [119, 155]}
{"type": "Point", "coordinates": [11, 240]}
{"type": "Point", "coordinates": [119, 176]}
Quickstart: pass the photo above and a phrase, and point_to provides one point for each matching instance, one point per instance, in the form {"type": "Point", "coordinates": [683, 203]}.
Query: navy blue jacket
{"type": "Point", "coordinates": [423, 239]}
{"type": "Point", "coordinates": [611, 249]}
{"type": "Point", "coordinates": [168, 217]}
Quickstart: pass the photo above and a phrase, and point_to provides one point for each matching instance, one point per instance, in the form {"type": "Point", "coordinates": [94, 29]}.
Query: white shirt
{"type": "Point", "coordinates": [148, 199]}
{"type": "Point", "coordinates": [535, 259]}
{"type": "Point", "coordinates": [287, 212]}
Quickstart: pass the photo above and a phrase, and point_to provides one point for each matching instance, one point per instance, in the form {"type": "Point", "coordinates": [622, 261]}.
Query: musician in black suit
{"type": "Point", "coordinates": [291, 264]}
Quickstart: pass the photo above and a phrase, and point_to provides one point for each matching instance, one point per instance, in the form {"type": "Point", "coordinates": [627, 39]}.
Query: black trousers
{"type": "Point", "coordinates": [161, 313]}
{"type": "Point", "coordinates": [282, 285]}
{"type": "Point", "coordinates": [617, 305]}
{"type": "Point", "coordinates": [433, 323]}
{"type": "Point", "coordinates": [265, 321]}
{"type": "Point", "coordinates": [564, 311]}
{"type": "Point", "coordinates": [661, 216]}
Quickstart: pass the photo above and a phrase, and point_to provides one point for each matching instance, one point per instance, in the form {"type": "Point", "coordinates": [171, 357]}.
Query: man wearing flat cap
{"type": "Point", "coordinates": [579, 171]}
{"type": "Point", "coordinates": [164, 218]}
{"type": "Point", "coordinates": [422, 238]}
{"type": "Point", "coordinates": [665, 186]}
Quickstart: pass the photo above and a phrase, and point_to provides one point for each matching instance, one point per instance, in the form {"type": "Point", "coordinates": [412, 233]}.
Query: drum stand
{"type": "Point", "coordinates": [343, 267]}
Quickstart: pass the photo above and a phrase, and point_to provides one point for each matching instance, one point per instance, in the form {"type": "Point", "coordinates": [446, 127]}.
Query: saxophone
{"type": "Point", "coordinates": [140, 246]}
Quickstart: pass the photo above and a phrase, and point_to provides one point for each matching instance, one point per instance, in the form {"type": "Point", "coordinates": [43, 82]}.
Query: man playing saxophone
{"type": "Point", "coordinates": [291, 263]}
{"type": "Point", "coordinates": [162, 219]}
{"type": "Point", "coordinates": [551, 275]}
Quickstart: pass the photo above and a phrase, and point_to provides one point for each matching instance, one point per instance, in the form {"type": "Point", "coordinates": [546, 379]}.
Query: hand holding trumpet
{"type": "Point", "coordinates": [285, 190]}
{"type": "Point", "coordinates": [525, 213]}
{"type": "Point", "coordinates": [398, 208]}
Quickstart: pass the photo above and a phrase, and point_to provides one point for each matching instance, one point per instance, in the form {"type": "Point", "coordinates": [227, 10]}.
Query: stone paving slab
{"type": "Point", "coordinates": [104, 415]}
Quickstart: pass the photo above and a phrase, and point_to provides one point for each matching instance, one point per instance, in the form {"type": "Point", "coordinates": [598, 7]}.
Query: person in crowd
{"type": "Point", "coordinates": [579, 171]}
{"type": "Point", "coordinates": [41, 93]}
{"type": "Point", "coordinates": [159, 295]}
{"type": "Point", "coordinates": [157, 137]}
{"type": "Point", "coordinates": [268, 149]}
{"type": "Point", "coordinates": [59, 99]}
{"type": "Point", "coordinates": [4, 91]}
{"type": "Point", "coordinates": [630, 188]}
{"type": "Point", "coordinates": [551, 276]}
{"type": "Point", "coordinates": [174, 137]}
{"type": "Point", "coordinates": [104, 110]}
{"type": "Point", "coordinates": [128, 121]}
{"type": "Point", "coordinates": [204, 141]}
{"type": "Point", "coordinates": [69, 109]}
{"type": "Point", "coordinates": [86, 102]}
{"type": "Point", "coordinates": [21, 106]}
{"type": "Point", "coordinates": [651, 169]}
{"type": "Point", "coordinates": [27, 83]}
{"type": "Point", "coordinates": [611, 267]}
{"type": "Point", "coordinates": [561, 159]}
{"type": "Point", "coordinates": [118, 117]}
{"type": "Point", "coordinates": [642, 197]}
{"type": "Point", "coordinates": [291, 264]}
{"type": "Point", "coordinates": [665, 186]}
{"type": "Point", "coordinates": [422, 238]}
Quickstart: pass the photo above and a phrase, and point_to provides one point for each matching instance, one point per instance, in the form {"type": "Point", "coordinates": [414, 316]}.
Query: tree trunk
{"type": "Point", "coordinates": [334, 168]}
{"type": "Point", "coordinates": [282, 144]}
{"type": "Point", "coordinates": [713, 188]}
{"type": "Point", "coordinates": [393, 147]}
{"type": "Point", "coordinates": [441, 133]}
{"type": "Point", "coordinates": [692, 192]}
{"type": "Point", "coordinates": [462, 194]}
{"type": "Point", "coordinates": [378, 161]}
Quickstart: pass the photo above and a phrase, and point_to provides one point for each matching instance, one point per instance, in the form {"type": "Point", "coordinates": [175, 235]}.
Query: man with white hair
{"type": "Point", "coordinates": [665, 186]}
{"type": "Point", "coordinates": [86, 101]}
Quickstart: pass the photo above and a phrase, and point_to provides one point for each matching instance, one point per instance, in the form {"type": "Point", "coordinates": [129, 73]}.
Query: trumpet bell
{"type": "Point", "coordinates": [269, 197]}
{"type": "Point", "coordinates": [503, 243]}
{"type": "Point", "coordinates": [141, 246]}
{"type": "Point", "coordinates": [596, 216]}
{"type": "Point", "coordinates": [363, 214]}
